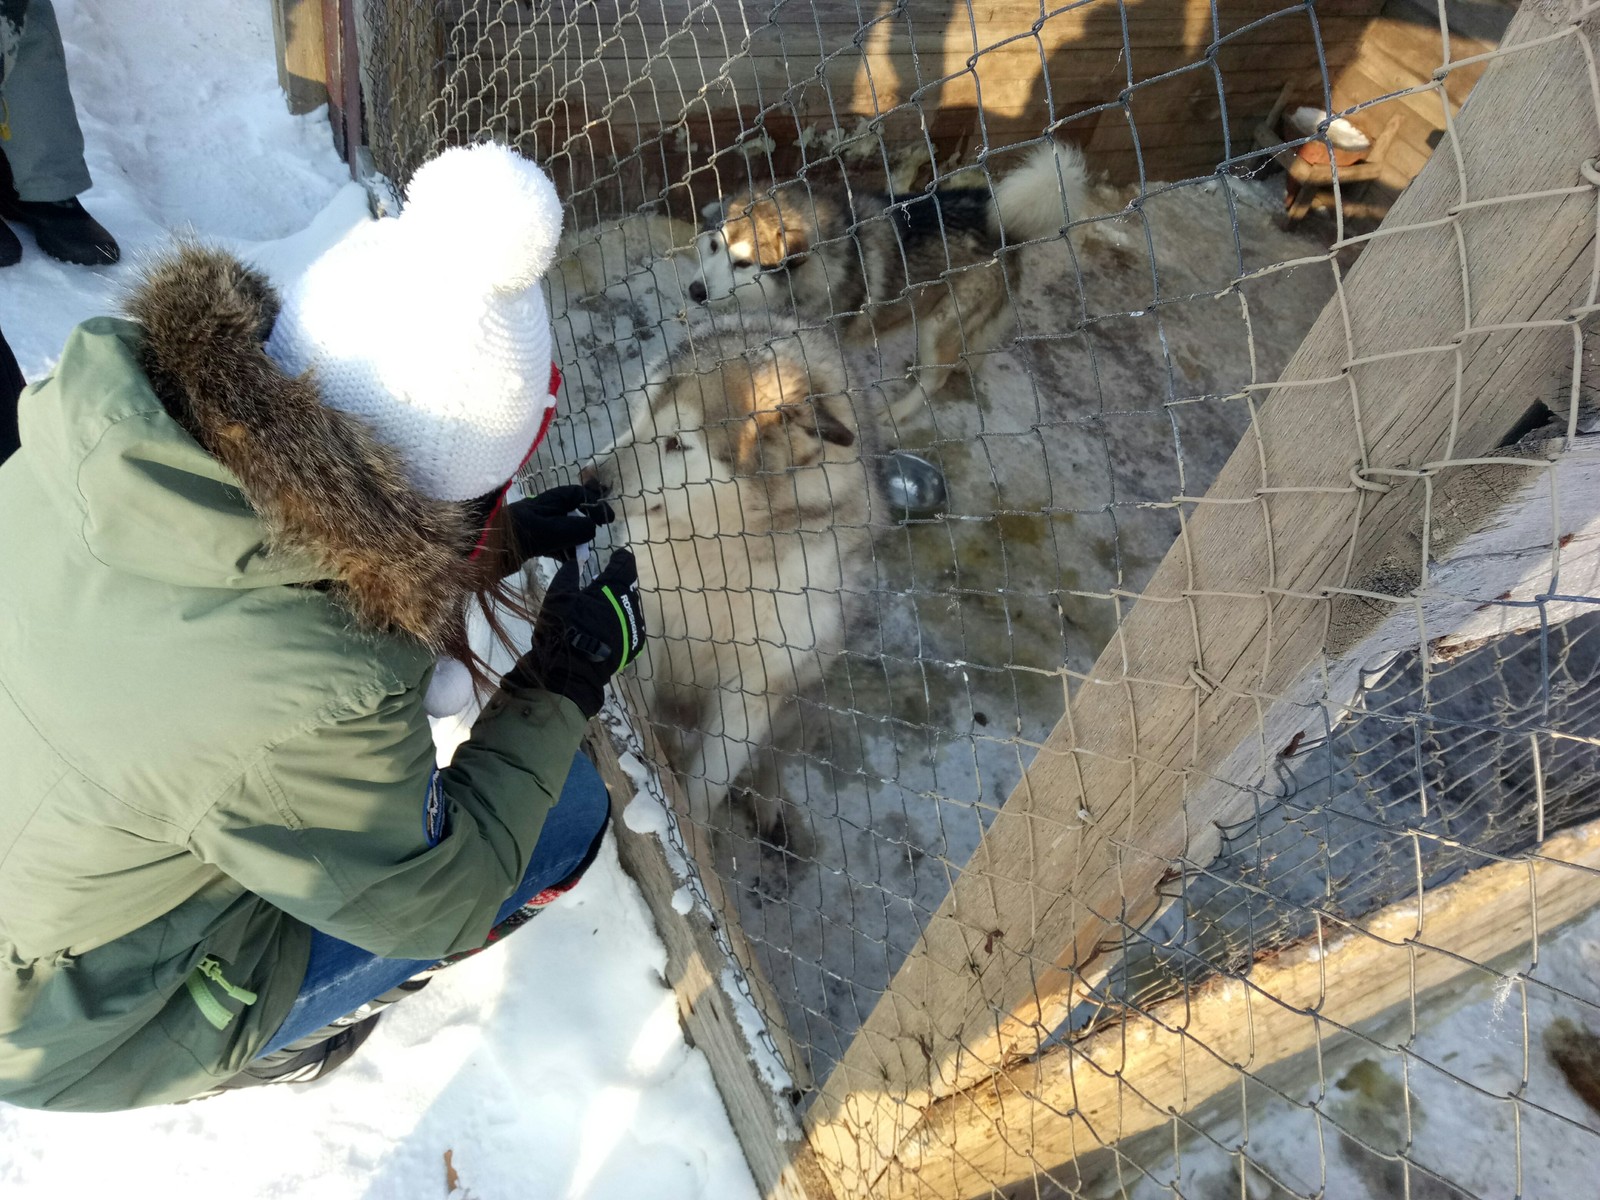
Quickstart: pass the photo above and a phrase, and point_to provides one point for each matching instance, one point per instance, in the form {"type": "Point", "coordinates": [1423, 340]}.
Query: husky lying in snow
{"type": "Point", "coordinates": [746, 485]}
{"type": "Point", "coordinates": [927, 257]}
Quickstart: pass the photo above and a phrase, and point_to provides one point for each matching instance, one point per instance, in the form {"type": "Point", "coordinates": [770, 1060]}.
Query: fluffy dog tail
{"type": "Point", "coordinates": [1050, 189]}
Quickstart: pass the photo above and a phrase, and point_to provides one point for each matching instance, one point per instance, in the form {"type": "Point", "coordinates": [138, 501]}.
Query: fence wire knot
{"type": "Point", "coordinates": [1359, 478]}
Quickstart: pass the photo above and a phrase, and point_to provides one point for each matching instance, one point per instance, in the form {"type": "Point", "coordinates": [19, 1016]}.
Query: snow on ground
{"type": "Point", "coordinates": [552, 1067]}
{"type": "Point", "coordinates": [185, 129]}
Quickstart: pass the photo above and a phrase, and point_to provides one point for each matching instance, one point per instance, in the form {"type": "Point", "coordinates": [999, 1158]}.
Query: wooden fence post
{"type": "Point", "coordinates": [1455, 318]}
{"type": "Point", "coordinates": [297, 40]}
{"type": "Point", "coordinates": [343, 75]}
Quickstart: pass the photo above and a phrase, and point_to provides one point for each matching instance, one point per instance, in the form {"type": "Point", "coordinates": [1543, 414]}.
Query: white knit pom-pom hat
{"type": "Point", "coordinates": [431, 326]}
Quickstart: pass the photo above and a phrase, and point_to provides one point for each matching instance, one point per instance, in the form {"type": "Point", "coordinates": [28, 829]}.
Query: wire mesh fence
{"type": "Point", "coordinates": [1124, 646]}
{"type": "Point", "coordinates": [1414, 789]}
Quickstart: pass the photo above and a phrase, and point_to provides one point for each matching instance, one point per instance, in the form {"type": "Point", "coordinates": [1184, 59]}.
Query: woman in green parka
{"type": "Point", "coordinates": [238, 546]}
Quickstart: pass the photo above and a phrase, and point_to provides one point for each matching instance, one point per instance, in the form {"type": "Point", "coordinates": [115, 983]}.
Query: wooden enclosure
{"type": "Point", "coordinates": [1385, 497]}
{"type": "Point", "coordinates": [1243, 636]}
{"type": "Point", "coordinates": [668, 100]}
{"type": "Point", "coordinates": [1398, 52]}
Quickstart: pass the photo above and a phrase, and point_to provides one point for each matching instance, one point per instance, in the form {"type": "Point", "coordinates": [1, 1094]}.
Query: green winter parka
{"type": "Point", "coordinates": [215, 636]}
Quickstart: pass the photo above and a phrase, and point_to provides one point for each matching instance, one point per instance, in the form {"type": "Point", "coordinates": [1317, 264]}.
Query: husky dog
{"type": "Point", "coordinates": [745, 486]}
{"type": "Point", "coordinates": [820, 253]}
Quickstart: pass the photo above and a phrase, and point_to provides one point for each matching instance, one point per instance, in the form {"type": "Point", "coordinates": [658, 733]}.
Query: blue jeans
{"type": "Point", "coordinates": [340, 978]}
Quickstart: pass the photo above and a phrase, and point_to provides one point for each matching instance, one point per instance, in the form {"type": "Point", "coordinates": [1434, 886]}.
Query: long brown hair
{"type": "Point", "coordinates": [497, 598]}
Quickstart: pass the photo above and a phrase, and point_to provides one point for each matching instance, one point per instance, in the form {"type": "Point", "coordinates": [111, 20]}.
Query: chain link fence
{"type": "Point", "coordinates": [1125, 644]}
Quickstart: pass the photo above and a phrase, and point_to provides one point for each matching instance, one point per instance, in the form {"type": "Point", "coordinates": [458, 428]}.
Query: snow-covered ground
{"type": "Point", "coordinates": [553, 1067]}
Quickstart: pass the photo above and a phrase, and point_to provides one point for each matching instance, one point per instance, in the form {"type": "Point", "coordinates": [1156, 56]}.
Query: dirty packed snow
{"type": "Point", "coordinates": [553, 1067]}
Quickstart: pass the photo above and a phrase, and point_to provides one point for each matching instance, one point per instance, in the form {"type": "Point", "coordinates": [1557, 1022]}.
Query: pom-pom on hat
{"type": "Point", "coordinates": [431, 326]}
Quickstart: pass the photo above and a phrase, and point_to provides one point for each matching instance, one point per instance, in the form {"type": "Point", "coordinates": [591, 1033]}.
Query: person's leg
{"type": "Point", "coordinates": [45, 144]}
{"type": "Point", "coordinates": [340, 978]}
{"type": "Point", "coordinates": [11, 385]}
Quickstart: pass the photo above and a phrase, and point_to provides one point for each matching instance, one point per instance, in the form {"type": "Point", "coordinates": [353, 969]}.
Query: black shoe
{"type": "Point", "coordinates": [64, 230]}
{"type": "Point", "coordinates": [298, 1062]}
{"type": "Point", "coordinates": [10, 247]}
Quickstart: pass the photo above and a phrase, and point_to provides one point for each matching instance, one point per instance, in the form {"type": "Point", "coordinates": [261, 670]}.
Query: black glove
{"type": "Point", "coordinates": [555, 523]}
{"type": "Point", "coordinates": [584, 636]}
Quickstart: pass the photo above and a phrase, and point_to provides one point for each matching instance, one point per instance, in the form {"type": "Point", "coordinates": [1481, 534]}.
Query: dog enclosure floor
{"type": "Point", "coordinates": [1062, 451]}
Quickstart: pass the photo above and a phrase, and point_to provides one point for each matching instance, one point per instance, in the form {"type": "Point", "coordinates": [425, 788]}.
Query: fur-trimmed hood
{"type": "Point", "coordinates": [324, 488]}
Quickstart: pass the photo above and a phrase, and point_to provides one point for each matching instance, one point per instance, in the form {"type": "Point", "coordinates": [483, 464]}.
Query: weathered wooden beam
{"type": "Point", "coordinates": [297, 42]}
{"type": "Point", "coordinates": [1431, 353]}
{"type": "Point", "coordinates": [1152, 1068]}
{"type": "Point", "coordinates": [343, 76]}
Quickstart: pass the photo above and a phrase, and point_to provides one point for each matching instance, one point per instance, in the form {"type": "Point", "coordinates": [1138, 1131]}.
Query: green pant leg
{"type": "Point", "coordinates": [45, 148]}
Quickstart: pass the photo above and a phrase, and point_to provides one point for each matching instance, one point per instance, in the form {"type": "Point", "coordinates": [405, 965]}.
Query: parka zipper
{"type": "Point", "coordinates": [210, 1007]}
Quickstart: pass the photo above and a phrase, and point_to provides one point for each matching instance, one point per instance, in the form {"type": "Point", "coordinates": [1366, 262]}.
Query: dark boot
{"type": "Point", "coordinates": [11, 385]}
{"type": "Point", "coordinates": [64, 230]}
{"type": "Point", "coordinates": [306, 1061]}
{"type": "Point", "coordinates": [62, 227]}
{"type": "Point", "coordinates": [301, 1063]}
{"type": "Point", "coordinates": [10, 247]}
{"type": "Point", "coordinates": [318, 1054]}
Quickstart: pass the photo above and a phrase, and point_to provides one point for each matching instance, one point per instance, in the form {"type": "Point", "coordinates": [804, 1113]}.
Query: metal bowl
{"type": "Point", "coordinates": [914, 486]}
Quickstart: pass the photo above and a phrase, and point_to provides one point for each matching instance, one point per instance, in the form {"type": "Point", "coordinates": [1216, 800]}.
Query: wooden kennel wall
{"type": "Point", "coordinates": [642, 101]}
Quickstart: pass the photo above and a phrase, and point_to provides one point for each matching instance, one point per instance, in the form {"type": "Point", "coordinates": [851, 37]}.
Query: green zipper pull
{"type": "Point", "coordinates": [212, 970]}
{"type": "Point", "coordinates": [5, 120]}
{"type": "Point", "coordinates": [210, 1007]}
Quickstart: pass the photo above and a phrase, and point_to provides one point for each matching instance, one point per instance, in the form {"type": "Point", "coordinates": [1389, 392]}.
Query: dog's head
{"type": "Point", "coordinates": [734, 440]}
{"type": "Point", "coordinates": [755, 236]}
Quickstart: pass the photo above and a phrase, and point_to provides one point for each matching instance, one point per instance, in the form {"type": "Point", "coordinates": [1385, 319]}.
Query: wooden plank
{"type": "Point", "coordinates": [914, 60]}
{"type": "Point", "coordinates": [624, 85]}
{"type": "Point", "coordinates": [343, 78]}
{"type": "Point", "coordinates": [1421, 113]}
{"type": "Point", "coordinates": [637, 89]}
{"type": "Point", "coordinates": [911, 51]}
{"type": "Point", "coordinates": [831, 16]}
{"type": "Point", "coordinates": [722, 908]}
{"type": "Point", "coordinates": [1015, 61]}
{"type": "Point", "coordinates": [534, 42]}
{"type": "Point", "coordinates": [1240, 608]}
{"type": "Point", "coordinates": [616, 90]}
{"type": "Point", "coordinates": [762, 1116]}
{"type": "Point", "coordinates": [1384, 76]}
{"type": "Point", "coordinates": [1419, 49]}
{"type": "Point", "coordinates": [1151, 1069]}
{"type": "Point", "coordinates": [297, 42]}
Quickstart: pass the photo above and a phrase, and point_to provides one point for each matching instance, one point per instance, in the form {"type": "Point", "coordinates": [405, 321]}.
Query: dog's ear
{"type": "Point", "coordinates": [793, 435]}
{"type": "Point", "coordinates": [819, 417]}
{"type": "Point", "coordinates": [785, 424]}
{"type": "Point", "coordinates": [714, 213]}
{"type": "Point", "coordinates": [793, 243]}
{"type": "Point", "coordinates": [780, 234]}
